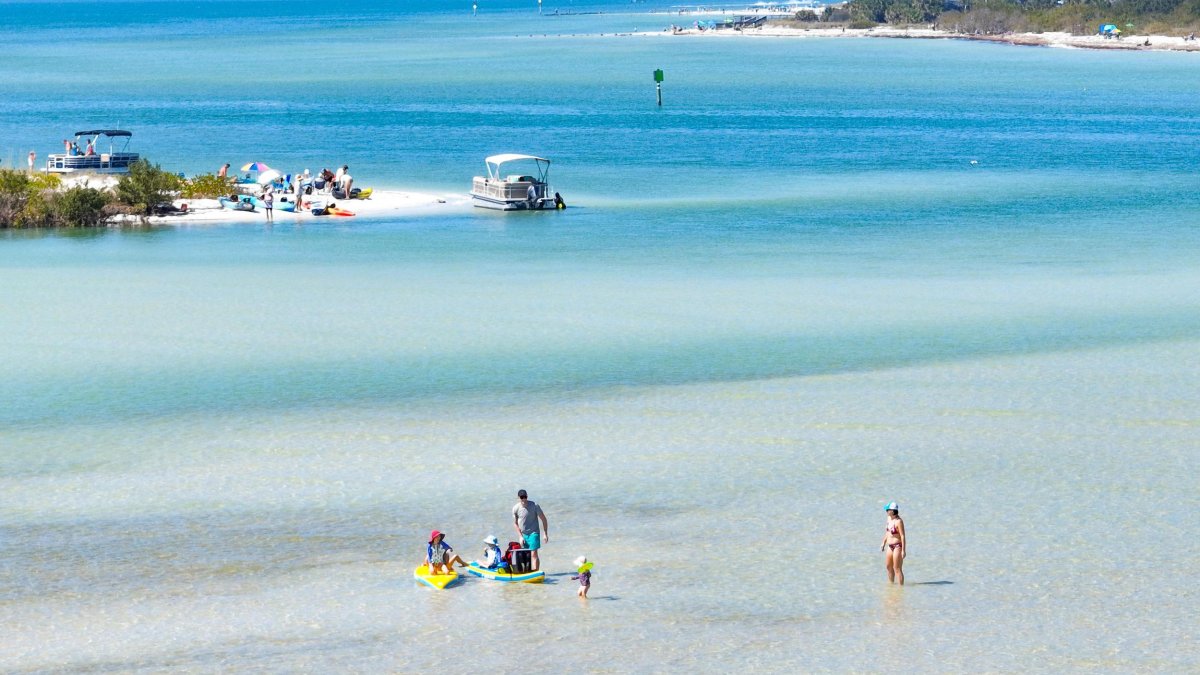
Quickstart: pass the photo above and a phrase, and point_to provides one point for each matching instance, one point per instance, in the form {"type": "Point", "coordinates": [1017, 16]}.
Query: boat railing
{"type": "Point", "coordinates": [98, 162]}
{"type": "Point", "coordinates": [506, 190]}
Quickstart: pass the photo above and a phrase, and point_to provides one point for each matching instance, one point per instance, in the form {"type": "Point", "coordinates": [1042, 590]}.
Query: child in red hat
{"type": "Point", "coordinates": [441, 555]}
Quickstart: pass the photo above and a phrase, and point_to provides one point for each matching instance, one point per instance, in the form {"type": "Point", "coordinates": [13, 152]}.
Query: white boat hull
{"type": "Point", "coordinates": [485, 202]}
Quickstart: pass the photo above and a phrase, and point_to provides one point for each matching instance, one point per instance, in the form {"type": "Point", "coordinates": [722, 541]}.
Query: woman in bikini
{"type": "Point", "coordinates": [894, 543]}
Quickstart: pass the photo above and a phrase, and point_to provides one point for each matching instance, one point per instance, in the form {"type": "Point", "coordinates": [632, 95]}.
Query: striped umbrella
{"type": "Point", "coordinates": [255, 166]}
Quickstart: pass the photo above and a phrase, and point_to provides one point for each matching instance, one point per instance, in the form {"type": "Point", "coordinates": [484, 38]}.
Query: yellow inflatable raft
{"type": "Point", "coordinates": [438, 581]}
{"type": "Point", "coordinates": [503, 575]}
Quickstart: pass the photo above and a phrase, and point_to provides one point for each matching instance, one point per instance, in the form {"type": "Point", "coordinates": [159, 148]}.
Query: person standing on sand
{"type": "Point", "coordinates": [223, 172]}
{"type": "Point", "coordinates": [895, 543]}
{"type": "Point", "coordinates": [269, 204]}
{"type": "Point", "coordinates": [526, 518]}
{"type": "Point", "coordinates": [32, 160]}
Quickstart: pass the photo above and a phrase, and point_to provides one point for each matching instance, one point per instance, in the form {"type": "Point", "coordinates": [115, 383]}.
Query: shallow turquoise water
{"type": "Point", "coordinates": [780, 301]}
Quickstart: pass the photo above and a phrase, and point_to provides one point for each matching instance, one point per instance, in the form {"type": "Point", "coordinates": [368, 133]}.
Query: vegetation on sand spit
{"type": "Point", "coordinates": [1079, 17]}
{"type": "Point", "coordinates": [31, 200]}
{"type": "Point", "coordinates": [37, 200]}
{"type": "Point", "coordinates": [146, 186]}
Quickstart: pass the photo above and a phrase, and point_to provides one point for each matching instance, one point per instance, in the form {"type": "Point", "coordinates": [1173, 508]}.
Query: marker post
{"type": "Point", "coordinates": [658, 78]}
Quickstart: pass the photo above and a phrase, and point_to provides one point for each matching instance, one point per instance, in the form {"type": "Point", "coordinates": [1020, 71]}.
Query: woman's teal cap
{"type": "Point", "coordinates": [892, 506]}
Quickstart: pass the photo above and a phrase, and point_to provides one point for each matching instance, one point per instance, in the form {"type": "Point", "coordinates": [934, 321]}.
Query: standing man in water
{"type": "Point", "coordinates": [526, 517]}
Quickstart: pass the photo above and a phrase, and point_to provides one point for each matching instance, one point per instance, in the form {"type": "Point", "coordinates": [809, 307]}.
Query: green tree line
{"type": "Point", "coordinates": [1161, 17]}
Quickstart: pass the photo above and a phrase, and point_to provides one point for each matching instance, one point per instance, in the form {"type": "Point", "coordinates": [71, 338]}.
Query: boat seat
{"type": "Point", "coordinates": [522, 561]}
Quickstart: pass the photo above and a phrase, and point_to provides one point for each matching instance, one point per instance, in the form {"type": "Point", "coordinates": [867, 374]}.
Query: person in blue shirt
{"type": "Point", "coordinates": [441, 556]}
{"type": "Point", "coordinates": [493, 557]}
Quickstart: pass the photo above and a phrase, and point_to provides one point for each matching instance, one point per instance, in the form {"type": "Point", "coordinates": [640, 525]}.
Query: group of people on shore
{"type": "Point", "coordinates": [531, 526]}
{"type": "Point", "coordinates": [336, 184]}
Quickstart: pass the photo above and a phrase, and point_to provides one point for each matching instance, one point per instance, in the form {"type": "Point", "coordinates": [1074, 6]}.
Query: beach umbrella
{"type": "Point", "coordinates": [268, 176]}
{"type": "Point", "coordinates": [255, 166]}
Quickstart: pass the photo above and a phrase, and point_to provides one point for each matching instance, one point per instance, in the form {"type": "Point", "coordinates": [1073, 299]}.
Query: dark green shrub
{"type": "Point", "coordinates": [867, 12]}
{"type": "Point", "coordinates": [147, 186]}
{"type": "Point", "coordinates": [38, 211]}
{"type": "Point", "coordinates": [14, 193]}
{"type": "Point", "coordinates": [79, 207]}
{"type": "Point", "coordinates": [835, 14]}
{"type": "Point", "coordinates": [23, 198]}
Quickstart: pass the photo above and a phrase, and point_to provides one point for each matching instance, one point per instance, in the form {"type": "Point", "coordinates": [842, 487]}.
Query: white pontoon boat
{"type": "Point", "coordinates": [516, 191]}
{"type": "Point", "coordinates": [94, 159]}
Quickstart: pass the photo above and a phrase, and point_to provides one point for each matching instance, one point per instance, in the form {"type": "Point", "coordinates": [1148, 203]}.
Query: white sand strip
{"type": "Point", "coordinates": [382, 203]}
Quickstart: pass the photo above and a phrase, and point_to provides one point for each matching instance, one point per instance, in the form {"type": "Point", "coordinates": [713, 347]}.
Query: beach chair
{"type": "Point", "coordinates": [522, 561]}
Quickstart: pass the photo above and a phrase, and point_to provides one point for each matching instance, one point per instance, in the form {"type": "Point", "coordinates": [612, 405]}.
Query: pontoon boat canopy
{"type": "Point", "coordinates": [500, 159]}
{"type": "Point", "coordinates": [104, 132]}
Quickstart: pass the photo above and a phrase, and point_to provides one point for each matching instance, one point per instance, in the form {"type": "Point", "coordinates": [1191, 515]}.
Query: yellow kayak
{"type": "Point", "coordinates": [438, 581]}
{"type": "Point", "coordinates": [503, 575]}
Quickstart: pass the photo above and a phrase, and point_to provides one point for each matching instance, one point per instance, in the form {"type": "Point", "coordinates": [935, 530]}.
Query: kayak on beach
{"type": "Point", "coordinates": [282, 203]}
{"type": "Point", "coordinates": [243, 204]}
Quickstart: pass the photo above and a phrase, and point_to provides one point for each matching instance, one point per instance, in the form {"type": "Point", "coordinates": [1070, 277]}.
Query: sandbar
{"type": "Point", "coordinates": [382, 203]}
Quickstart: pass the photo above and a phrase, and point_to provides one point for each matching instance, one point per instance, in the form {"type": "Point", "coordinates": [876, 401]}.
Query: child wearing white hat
{"type": "Point", "coordinates": [584, 576]}
{"type": "Point", "coordinates": [491, 553]}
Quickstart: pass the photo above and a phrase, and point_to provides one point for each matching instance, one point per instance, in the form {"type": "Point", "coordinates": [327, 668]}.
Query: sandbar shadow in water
{"type": "Point", "coordinates": [932, 583]}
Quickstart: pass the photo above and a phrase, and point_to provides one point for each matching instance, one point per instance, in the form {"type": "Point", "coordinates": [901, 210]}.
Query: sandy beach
{"type": "Point", "coordinates": [381, 203]}
{"type": "Point", "coordinates": [1062, 40]}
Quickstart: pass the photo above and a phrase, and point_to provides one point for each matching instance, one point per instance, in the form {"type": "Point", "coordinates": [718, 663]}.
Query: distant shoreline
{"type": "Point", "coordinates": [1061, 40]}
